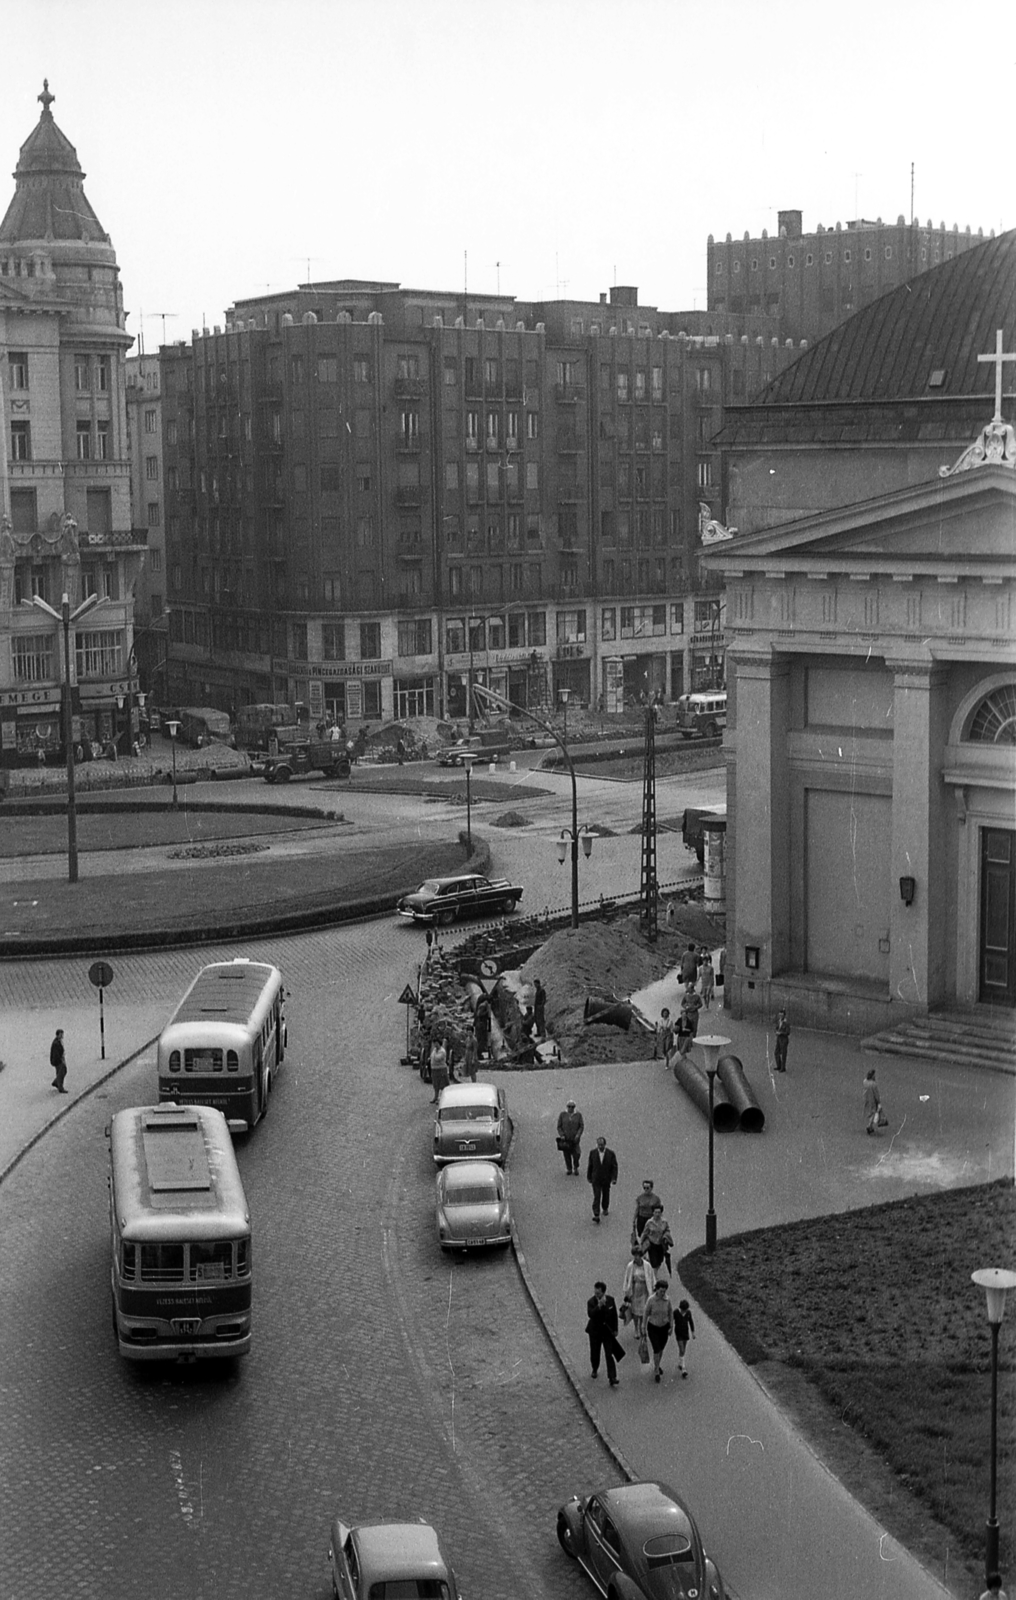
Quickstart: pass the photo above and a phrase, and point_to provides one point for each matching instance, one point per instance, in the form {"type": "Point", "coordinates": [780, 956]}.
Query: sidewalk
{"type": "Point", "coordinates": [779, 1524]}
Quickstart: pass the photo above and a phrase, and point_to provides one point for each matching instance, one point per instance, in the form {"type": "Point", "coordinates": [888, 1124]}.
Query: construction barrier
{"type": "Point", "coordinates": [694, 1082]}
{"type": "Point", "coordinates": [751, 1117]}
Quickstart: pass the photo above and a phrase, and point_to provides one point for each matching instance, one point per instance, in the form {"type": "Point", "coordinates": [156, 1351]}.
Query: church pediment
{"type": "Point", "coordinates": [964, 521]}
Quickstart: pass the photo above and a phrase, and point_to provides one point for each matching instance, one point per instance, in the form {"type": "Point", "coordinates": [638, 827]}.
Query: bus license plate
{"type": "Point", "coordinates": [186, 1324]}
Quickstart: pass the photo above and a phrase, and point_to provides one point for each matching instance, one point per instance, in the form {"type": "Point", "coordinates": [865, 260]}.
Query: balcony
{"type": "Point", "coordinates": [408, 388]}
{"type": "Point", "coordinates": [406, 446]}
{"type": "Point", "coordinates": [569, 394]}
{"type": "Point", "coordinates": [409, 496]}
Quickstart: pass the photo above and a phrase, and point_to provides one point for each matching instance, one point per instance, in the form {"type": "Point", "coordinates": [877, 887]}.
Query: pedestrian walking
{"type": "Point", "coordinates": [782, 1040]}
{"type": "Point", "coordinates": [645, 1205]}
{"type": "Point", "coordinates": [570, 1127]}
{"type": "Point", "coordinates": [439, 1069]}
{"type": "Point", "coordinates": [688, 970]}
{"type": "Point", "coordinates": [639, 1283]}
{"type": "Point", "coordinates": [663, 1043]}
{"type": "Point", "coordinates": [671, 914]}
{"type": "Point", "coordinates": [58, 1061]}
{"type": "Point", "coordinates": [684, 1327]}
{"type": "Point", "coordinates": [872, 1101]}
{"type": "Point", "coordinates": [601, 1172]}
{"type": "Point", "coordinates": [469, 1058]}
{"type": "Point", "coordinates": [601, 1326]}
{"type": "Point", "coordinates": [540, 1008]}
{"type": "Point", "coordinates": [685, 1031]}
{"type": "Point", "coordinates": [707, 979]}
{"type": "Point", "coordinates": [692, 1003]}
{"type": "Point", "coordinates": [481, 1025]}
{"type": "Point", "coordinates": [657, 1240]}
{"type": "Point", "coordinates": [659, 1322]}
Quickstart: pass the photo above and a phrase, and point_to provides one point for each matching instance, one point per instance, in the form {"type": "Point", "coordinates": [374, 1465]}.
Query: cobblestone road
{"type": "Point", "coordinates": [384, 1378]}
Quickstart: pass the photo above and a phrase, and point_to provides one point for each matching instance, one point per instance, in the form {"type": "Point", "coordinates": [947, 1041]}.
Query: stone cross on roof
{"type": "Point", "coordinates": [45, 97]}
{"type": "Point", "coordinates": [998, 358]}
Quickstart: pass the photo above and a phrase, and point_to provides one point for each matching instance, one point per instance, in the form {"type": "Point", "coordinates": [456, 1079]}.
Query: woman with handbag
{"type": "Point", "coordinates": [659, 1322]}
{"type": "Point", "coordinates": [639, 1283]}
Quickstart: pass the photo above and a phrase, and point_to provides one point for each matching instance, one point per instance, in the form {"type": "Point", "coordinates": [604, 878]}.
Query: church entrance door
{"type": "Point", "coordinates": [997, 980]}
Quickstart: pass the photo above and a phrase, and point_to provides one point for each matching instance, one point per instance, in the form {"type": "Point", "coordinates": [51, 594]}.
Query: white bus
{"type": "Point", "coordinates": [226, 1041]}
{"type": "Point", "coordinates": [180, 1237]}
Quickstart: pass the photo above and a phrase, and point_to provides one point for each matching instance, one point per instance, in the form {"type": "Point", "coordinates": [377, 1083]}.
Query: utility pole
{"type": "Point", "coordinates": [648, 888]}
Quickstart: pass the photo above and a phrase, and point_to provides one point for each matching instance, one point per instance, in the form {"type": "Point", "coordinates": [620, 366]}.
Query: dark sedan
{"type": "Point", "coordinates": [444, 900]}
{"type": "Point", "coordinates": [639, 1542]}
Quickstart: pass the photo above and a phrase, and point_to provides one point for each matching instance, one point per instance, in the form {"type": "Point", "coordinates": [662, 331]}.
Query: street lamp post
{"type": "Point", "coordinates": [174, 729]}
{"type": "Point", "coordinates": [574, 835]}
{"type": "Point", "coordinates": [468, 758]}
{"type": "Point", "coordinates": [564, 695]}
{"type": "Point", "coordinates": [995, 1281]}
{"type": "Point", "coordinates": [711, 1045]}
{"type": "Point", "coordinates": [66, 616]}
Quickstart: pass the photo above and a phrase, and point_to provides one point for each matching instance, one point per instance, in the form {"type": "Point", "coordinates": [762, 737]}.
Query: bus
{"type": "Point", "coordinates": [180, 1236]}
{"type": "Point", "coordinates": [226, 1041]}
{"type": "Point", "coordinates": [702, 714]}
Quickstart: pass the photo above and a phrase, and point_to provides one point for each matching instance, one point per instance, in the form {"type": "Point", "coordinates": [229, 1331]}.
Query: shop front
{"type": "Point", "coordinates": [342, 691]}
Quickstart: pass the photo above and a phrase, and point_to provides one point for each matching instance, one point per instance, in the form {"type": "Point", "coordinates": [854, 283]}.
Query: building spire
{"type": "Point", "coordinates": [46, 98]}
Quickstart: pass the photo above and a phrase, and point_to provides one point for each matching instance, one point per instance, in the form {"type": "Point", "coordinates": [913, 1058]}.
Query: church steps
{"type": "Point", "coordinates": [974, 1041]}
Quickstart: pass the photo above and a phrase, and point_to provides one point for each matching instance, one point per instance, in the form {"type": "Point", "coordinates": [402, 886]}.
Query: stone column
{"type": "Point", "coordinates": [920, 840]}
{"type": "Point", "coordinates": [758, 835]}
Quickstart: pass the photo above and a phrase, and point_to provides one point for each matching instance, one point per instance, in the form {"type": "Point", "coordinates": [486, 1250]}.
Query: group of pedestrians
{"type": "Point", "coordinates": [645, 1289]}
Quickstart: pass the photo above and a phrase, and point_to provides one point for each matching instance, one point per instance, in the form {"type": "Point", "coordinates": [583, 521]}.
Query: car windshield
{"type": "Point", "coordinates": [410, 1589]}
{"type": "Point", "coordinates": [466, 1114]}
{"type": "Point", "coordinates": [480, 1194]}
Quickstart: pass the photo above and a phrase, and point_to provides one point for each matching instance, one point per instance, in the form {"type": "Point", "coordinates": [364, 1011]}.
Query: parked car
{"type": "Point", "coordinates": [471, 1124]}
{"type": "Point", "coordinates": [389, 1558]}
{"type": "Point", "coordinates": [472, 1205]}
{"type": "Point", "coordinates": [444, 900]}
{"type": "Point", "coordinates": [484, 746]}
{"type": "Point", "coordinates": [639, 1542]}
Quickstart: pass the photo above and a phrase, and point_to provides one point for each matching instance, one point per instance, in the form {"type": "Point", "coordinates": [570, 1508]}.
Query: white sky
{"type": "Point", "coordinates": [578, 143]}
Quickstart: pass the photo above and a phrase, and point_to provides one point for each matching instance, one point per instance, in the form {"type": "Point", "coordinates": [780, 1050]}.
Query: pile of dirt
{"type": "Point", "coordinates": [608, 961]}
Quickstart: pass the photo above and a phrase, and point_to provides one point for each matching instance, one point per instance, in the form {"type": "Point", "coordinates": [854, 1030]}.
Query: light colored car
{"type": "Point", "coordinates": [384, 1560]}
{"type": "Point", "coordinates": [471, 1124]}
{"type": "Point", "coordinates": [472, 1206]}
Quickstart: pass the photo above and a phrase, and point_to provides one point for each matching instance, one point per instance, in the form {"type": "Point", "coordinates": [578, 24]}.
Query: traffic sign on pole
{"type": "Point", "coordinates": [100, 973]}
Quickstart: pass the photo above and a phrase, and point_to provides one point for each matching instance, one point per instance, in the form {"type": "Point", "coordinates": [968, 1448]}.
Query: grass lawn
{"type": "Point", "coordinates": [876, 1308]}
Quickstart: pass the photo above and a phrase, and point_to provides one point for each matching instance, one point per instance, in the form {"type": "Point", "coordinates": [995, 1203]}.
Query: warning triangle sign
{"type": "Point", "coordinates": [407, 997]}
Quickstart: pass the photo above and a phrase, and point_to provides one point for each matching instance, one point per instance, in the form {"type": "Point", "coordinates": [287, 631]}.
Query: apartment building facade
{"type": "Point", "coordinates": [65, 516]}
{"type": "Point", "coordinates": [375, 496]}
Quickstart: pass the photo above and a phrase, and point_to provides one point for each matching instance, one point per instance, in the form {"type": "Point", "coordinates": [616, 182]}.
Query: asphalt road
{"type": "Point", "coordinates": [384, 1379]}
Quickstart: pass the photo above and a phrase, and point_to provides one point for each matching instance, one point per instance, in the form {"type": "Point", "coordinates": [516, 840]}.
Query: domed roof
{"type": "Point", "coordinates": [49, 201]}
{"type": "Point", "coordinates": [937, 322]}
{"type": "Point", "coordinates": [904, 367]}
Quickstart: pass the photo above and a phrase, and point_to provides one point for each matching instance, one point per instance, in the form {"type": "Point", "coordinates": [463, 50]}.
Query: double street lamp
{"type": "Point", "coordinates": [573, 834]}
{"type": "Point", "coordinates": [66, 616]}
{"type": "Point", "coordinates": [995, 1281]}
{"type": "Point", "coordinates": [468, 757]}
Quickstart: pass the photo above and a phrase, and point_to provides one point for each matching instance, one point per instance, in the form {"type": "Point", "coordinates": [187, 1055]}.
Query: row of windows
{"type": "Point", "coordinates": [92, 444]}
{"type": "Point", "coordinates": [89, 372]}
{"type": "Point", "coordinates": [809, 260]}
{"type": "Point", "coordinates": [98, 654]}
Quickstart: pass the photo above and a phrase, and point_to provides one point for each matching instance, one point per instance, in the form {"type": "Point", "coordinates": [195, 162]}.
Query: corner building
{"type": "Point", "coordinates": [65, 514]}
{"type": "Point", "coordinates": [375, 496]}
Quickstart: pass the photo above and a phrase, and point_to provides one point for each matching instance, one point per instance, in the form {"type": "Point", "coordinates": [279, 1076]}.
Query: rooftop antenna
{"type": "Point", "coordinates": [857, 213]}
{"type": "Point", "coordinates": [911, 194]}
{"type": "Point", "coordinates": [307, 260]}
{"type": "Point", "coordinates": [171, 315]}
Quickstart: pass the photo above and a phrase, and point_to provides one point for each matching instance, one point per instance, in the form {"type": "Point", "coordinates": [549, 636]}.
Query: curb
{"type": "Point", "coordinates": [72, 1102]}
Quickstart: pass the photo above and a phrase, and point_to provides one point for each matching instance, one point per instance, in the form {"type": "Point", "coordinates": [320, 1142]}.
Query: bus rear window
{"type": "Point", "coordinates": [211, 1262]}
{"type": "Point", "coordinates": [162, 1263]}
{"type": "Point", "coordinates": [202, 1061]}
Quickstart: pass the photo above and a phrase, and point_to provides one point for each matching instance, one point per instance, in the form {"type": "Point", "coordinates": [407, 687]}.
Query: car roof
{"type": "Point", "coordinates": [645, 1510]}
{"type": "Point", "coordinates": [468, 1094]}
{"type": "Point", "coordinates": [461, 877]}
{"type": "Point", "coordinates": [467, 1174]}
{"type": "Point", "coordinates": [399, 1550]}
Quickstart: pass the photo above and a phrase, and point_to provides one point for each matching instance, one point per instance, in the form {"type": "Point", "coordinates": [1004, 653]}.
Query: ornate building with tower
{"type": "Point", "coordinates": [65, 512]}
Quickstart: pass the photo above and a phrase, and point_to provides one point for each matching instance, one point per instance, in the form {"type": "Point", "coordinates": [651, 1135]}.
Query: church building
{"type": "Point", "coordinates": [871, 872]}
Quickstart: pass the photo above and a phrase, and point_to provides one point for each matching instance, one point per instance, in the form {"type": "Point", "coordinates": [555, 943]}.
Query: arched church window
{"type": "Point", "coordinates": [994, 721]}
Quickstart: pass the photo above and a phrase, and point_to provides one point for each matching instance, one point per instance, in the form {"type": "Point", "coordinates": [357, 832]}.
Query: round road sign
{"type": "Point", "coordinates": [101, 974]}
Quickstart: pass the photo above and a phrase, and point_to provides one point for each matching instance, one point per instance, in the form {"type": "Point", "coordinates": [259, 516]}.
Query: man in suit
{"type": "Point", "coordinates": [601, 1172]}
{"type": "Point", "coordinates": [601, 1326]}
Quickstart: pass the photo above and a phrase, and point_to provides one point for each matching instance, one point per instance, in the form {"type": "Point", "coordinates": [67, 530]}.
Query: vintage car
{"type": "Point", "coordinates": [639, 1542]}
{"type": "Point", "coordinates": [389, 1558]}
{"type": "Point", "coordinates": [312, 755]}
{"type": "Point", "coordinates": [472, 1206]}
{"type": "Point", "coordinates": [444, 900]}
{"type": "Point", "coordinates": [481, 746]}
{"type": "Point", "coordinates": [471, 1123]}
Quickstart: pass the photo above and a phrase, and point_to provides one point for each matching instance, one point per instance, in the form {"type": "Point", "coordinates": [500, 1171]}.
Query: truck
{"type": "Point", "coordinates": [691, 826]}
{"type": "Point", "coordinates": [292, 753]}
